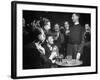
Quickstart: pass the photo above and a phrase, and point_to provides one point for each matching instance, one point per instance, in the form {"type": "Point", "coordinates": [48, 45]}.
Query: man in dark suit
{"type": "Point", "coordinates": [65, 30]}
{"type": "Point", "coordinates": [86, 57]}
{"type": "Point", "coordinates": [58, 38]}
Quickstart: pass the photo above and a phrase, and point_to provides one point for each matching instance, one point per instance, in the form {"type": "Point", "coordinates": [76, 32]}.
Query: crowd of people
{"type": "Point", "coordinates": [43, 44]}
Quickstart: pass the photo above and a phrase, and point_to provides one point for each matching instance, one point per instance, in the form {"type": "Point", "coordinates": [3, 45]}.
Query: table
{"type": "Point", "coordinates": [66, 62]}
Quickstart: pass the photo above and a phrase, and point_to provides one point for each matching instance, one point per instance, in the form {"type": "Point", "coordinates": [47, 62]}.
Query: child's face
{"type": "Point", "coordinates": [50, 40]}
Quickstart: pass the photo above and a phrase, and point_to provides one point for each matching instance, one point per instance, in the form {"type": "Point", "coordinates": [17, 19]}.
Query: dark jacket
{"type": "Point", "coordinates": [31, 57]}
{"type": "Point", "coordinates": [47, 50]}
{"type": "Point", "coordinates": [60, 40]}
{"type": "Point", "coordinates": [87, 36]}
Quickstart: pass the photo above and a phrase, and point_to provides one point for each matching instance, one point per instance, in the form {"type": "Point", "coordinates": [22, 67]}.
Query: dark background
{"type": "Point", "coordinates": [55, 17]}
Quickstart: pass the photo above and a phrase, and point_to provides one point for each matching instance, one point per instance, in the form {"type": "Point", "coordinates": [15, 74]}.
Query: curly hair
{"type": "Point", "coordinates": [43, 22]}
{"type": "Point", "coordinates": [36, 33]}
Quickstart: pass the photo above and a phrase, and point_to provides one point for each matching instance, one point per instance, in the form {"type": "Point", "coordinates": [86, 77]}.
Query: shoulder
{"type": "Point", "coordinates": [81, 27]}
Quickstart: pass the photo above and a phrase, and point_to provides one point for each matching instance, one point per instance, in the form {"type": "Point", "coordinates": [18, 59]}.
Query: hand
{"type": "Point", "coordinates": [78, 56]}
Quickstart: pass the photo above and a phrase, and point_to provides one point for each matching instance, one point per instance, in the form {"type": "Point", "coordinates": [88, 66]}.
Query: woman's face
{"type": "Point", "coordinates": [47, 26]}
{"type": "Point", "coordinates": [42, 37]}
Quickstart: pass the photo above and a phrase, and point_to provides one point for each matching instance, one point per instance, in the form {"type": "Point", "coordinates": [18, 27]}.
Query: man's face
{"type": "Point", "coordinates": [87, 27]}
{"type": "Point", "coordinates": [56, 27]}
{"type": "Point", "coordinates": [66, 25]}
{"type": "Point", "coordinates": [75, 17]}
{"type": "Point", "coordinates": [50, 40]}
{"type": "Point", "coordinates": [47, 26]}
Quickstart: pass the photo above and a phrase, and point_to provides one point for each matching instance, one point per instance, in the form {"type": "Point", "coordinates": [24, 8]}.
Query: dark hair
{"type": "Point", "coordinates": [77, 14]}
{"type": "Point", "coordinates": [66, 21]}
{"type": "Point", "coordinates": [56, 24]}
{"type": "Point", "coordinates": [49, 36]}
{"type": "Point", "coordinates": [44, 21]}
{"type": "Point", "coordinates": [36, 33]}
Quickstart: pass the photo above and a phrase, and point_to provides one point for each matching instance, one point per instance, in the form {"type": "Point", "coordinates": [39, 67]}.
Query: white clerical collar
{"type": "Point", "coordinates": [76, 23]}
